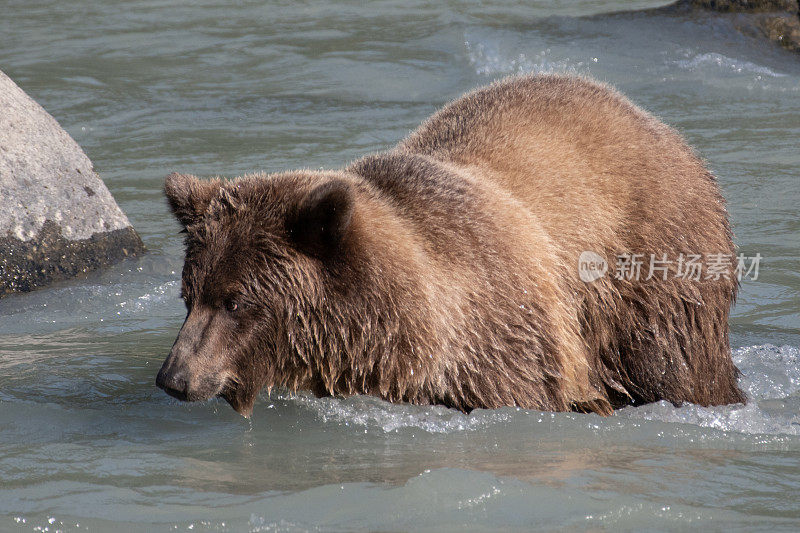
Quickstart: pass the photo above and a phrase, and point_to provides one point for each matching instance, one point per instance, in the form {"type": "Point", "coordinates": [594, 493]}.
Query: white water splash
{"type": "Point", "coordinates": [489, 58]}
{"type": "Point", "coordinates": [724, 65]}
{"type": "Point", "coordinates": [371, 412]}
{"type": "Point", "coordinates": [770, 377]}
{"type": "Point", "coordinates": [160, 294]}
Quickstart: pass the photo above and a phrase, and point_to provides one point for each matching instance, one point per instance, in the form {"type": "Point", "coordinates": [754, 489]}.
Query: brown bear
{"type": "Point", "coordinates": [446, 270]}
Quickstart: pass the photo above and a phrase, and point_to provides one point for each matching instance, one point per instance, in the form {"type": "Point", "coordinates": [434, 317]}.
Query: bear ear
{"type": "Point", "coordinates": [189, 197]}
{"type": "Point", "coordinates": [322, 219]}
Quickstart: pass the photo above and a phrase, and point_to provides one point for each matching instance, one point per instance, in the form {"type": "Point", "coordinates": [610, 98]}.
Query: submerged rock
{"type": "Point", "coordinates": [57, 218]}
{"type": "Point", "coordinates": [777, 20]}
{"type": "Point", "coordinates": [781, 28]}
{"type": "Point", "coordinates": [744, 6]}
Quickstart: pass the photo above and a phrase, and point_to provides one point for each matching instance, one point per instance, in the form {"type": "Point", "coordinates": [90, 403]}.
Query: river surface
{"type": "Point", "coordinates": [87, 442]}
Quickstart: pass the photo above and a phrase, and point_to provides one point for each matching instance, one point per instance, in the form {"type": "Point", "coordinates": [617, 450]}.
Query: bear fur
{"type": "Point", "coordinates": [445, 271]}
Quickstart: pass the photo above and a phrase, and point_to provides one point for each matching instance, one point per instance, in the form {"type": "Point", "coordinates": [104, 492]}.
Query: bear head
{"type": "Point", "coordinates": [266, 258]}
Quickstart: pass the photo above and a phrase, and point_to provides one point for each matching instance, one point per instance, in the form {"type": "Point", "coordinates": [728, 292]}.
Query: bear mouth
{"type": "Point", "coordinates": [181, 390]}
{"type": "Point", "coordinates": [237, 398]}
{"type": "Point", "coordinates": [177, 394]}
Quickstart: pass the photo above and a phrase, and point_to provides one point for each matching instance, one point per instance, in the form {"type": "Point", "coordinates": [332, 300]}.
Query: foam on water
{"type": "Point", "coordinates": [769, 372]}
{"type": "Point", "coordinates": [491, 58]}
{"type": "Point", "coordinates": [126, 294]}
{"type": "Point", "coordinates": [770, 377]}
{"type": "Point", "coordinates": [606, 55]}
{"type": "Point", "coordinates": [162, 293]}
{"type": "Point", "coordinates": [371, 412]}
{"type": "Point", "coordinates": [724, 65]}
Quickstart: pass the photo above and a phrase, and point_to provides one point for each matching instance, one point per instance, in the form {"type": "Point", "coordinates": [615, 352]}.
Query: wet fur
{"type": "Point", "coordinates": [446, 270]}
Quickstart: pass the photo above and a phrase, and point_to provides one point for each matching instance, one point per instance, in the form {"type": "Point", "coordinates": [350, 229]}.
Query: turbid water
{"type": "Point", "coordinates": [87, 442]}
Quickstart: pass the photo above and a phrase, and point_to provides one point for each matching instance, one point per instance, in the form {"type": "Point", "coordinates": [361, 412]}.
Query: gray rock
{"type": "Point", "coordinates": [777, 20]}
{"type": "Point", "coordinates": [57, 218]}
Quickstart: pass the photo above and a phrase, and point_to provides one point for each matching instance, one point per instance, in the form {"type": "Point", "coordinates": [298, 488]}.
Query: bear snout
{"type": "Point", "coordinates": [179, 382]}
{"type": "Point", "coordinates": [196, 367]}
{"type": "Point", "coordinates": [171, 382]}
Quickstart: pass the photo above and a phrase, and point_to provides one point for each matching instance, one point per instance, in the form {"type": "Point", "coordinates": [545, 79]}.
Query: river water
{"type": "Point", "coordinates": [87, 442]}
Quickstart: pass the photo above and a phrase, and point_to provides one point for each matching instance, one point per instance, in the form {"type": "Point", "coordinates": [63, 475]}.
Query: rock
{"type": "Point", "coordinates": [783, 29]}
{"type": "Point", "coordinates": [57, 218]}
{"type": "Point", "coordinates": [777, 20]}
{"type": "Point", "coordinates": [744, 6]}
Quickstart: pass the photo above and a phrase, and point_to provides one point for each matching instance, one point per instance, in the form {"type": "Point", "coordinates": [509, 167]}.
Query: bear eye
{"type": "Point", "coordinates": [184, 294]}
{"type": "Point", "coordinates": [231, 306]}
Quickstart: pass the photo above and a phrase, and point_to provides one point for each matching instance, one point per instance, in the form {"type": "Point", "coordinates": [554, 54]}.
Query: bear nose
{"type": "Point", "coordinates": [173, 383]}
